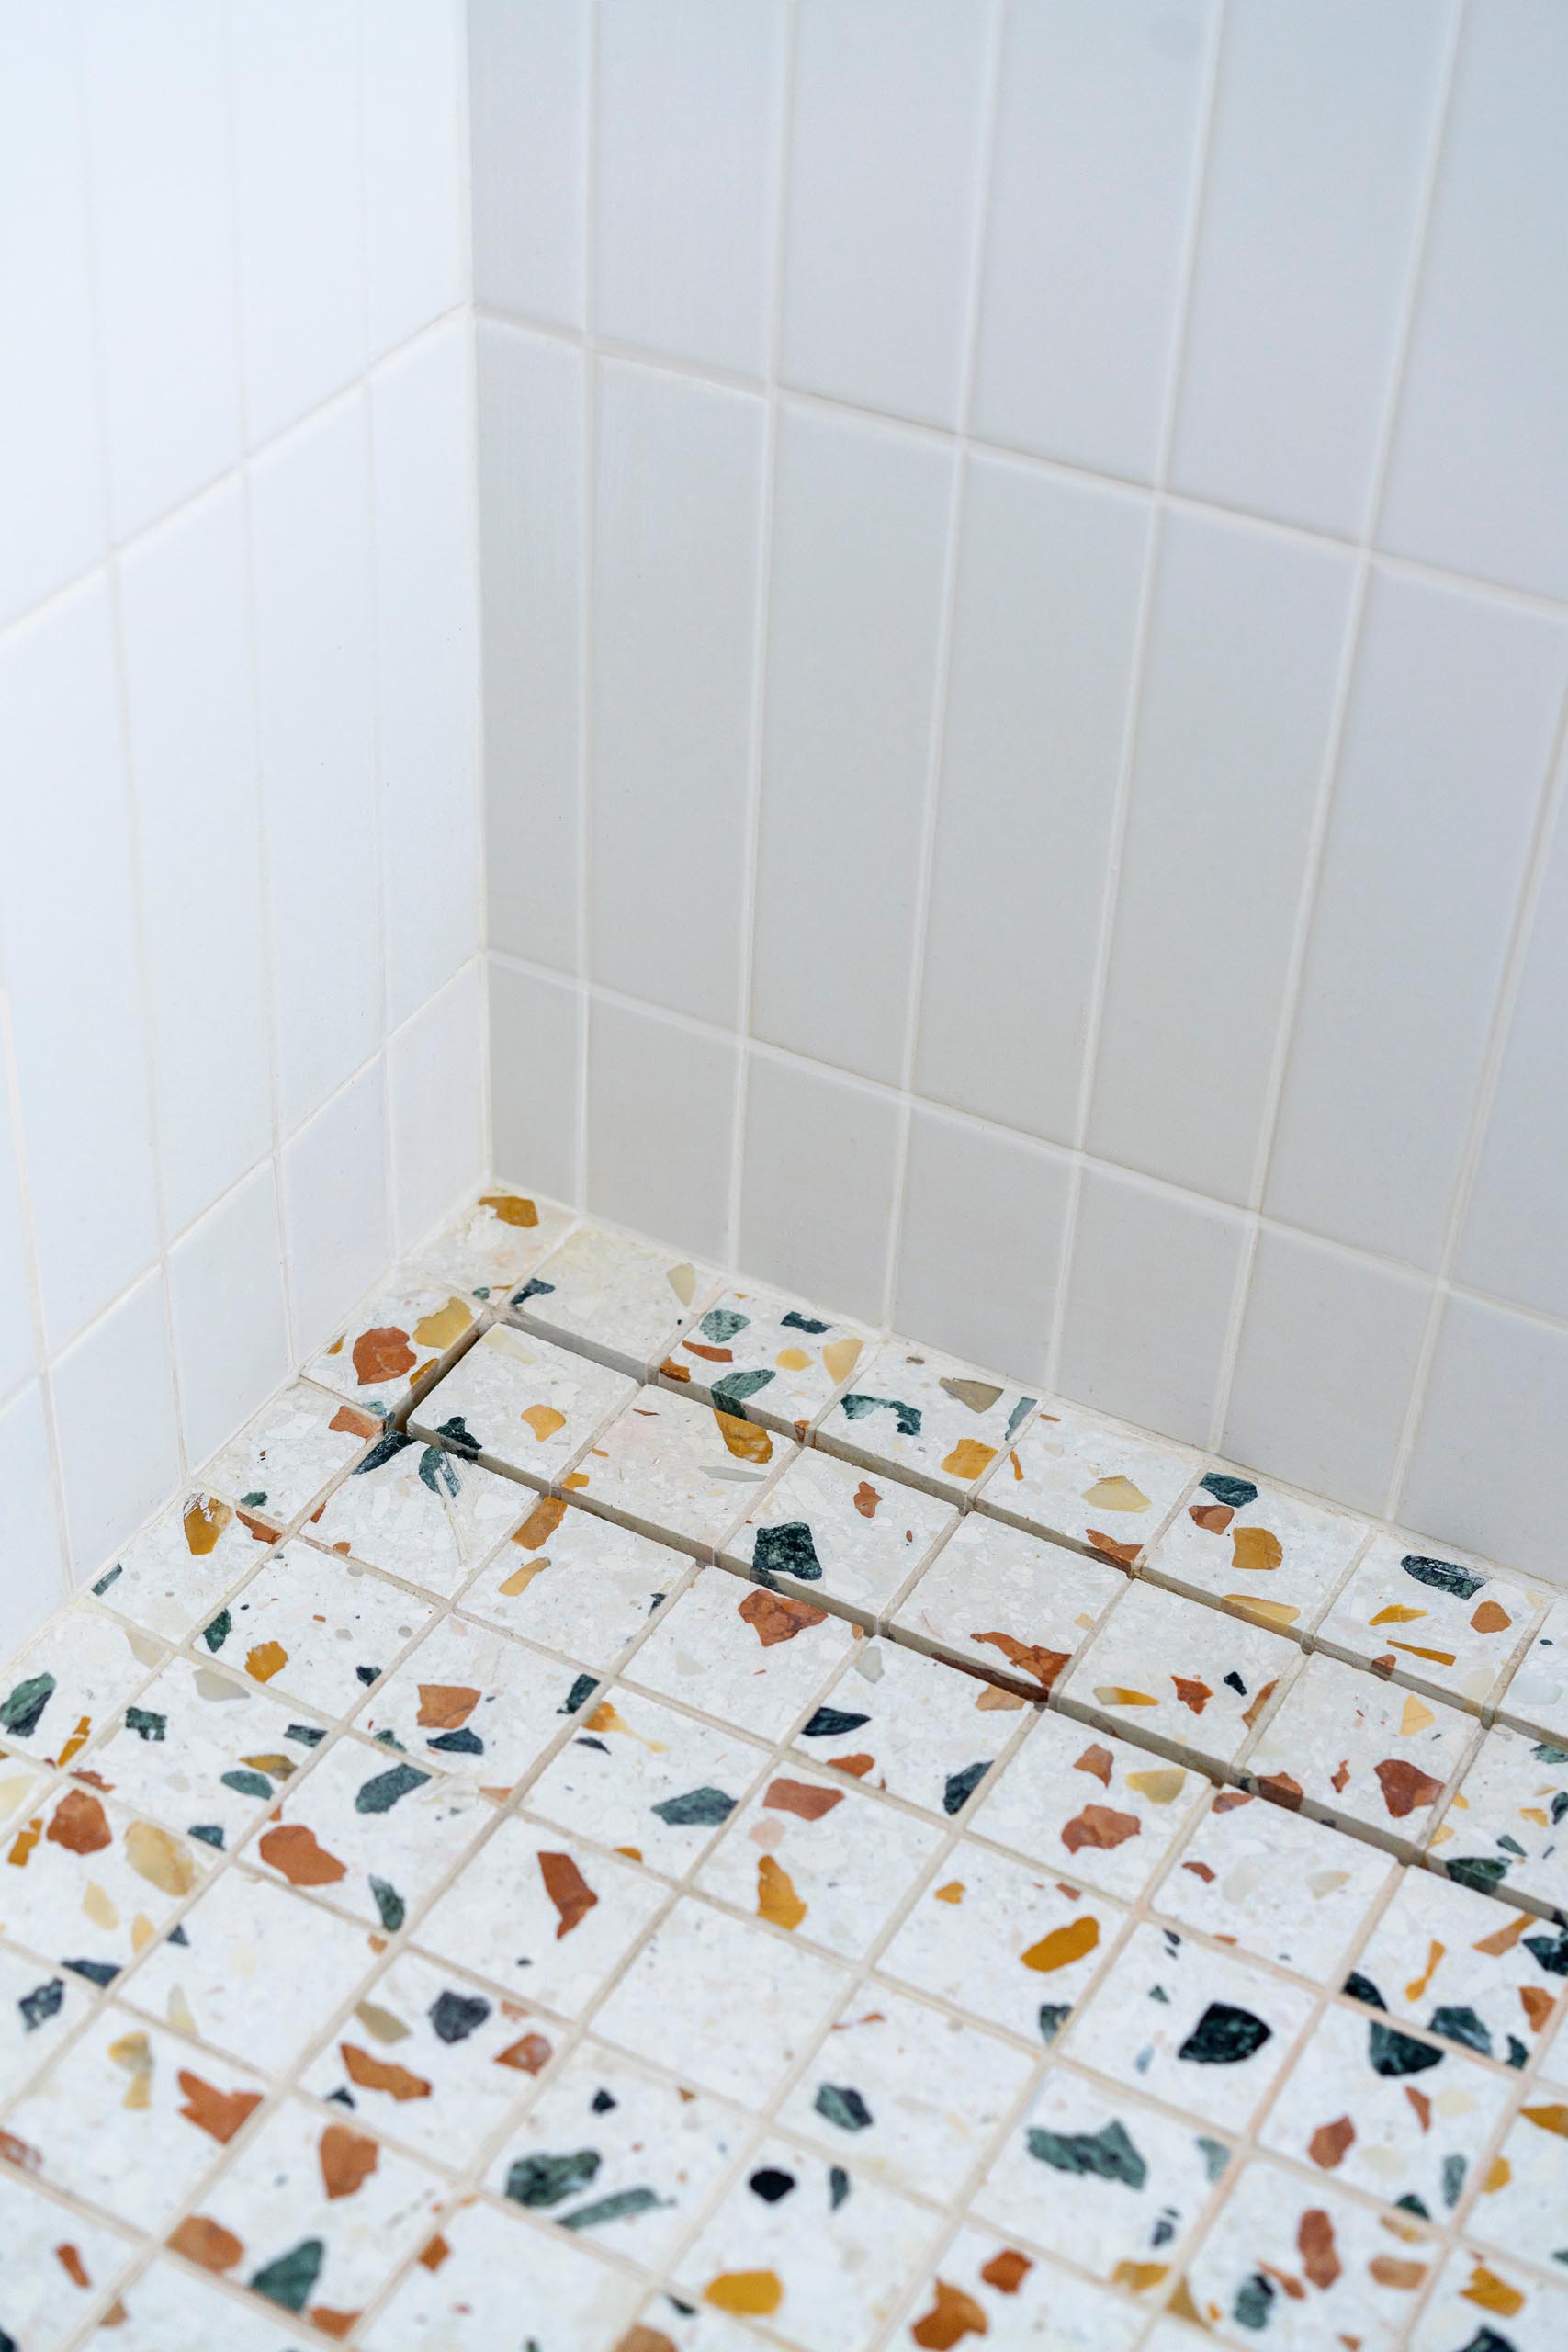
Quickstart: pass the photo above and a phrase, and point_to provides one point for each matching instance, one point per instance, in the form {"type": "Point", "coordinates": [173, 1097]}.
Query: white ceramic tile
{"type": "Point", "coordinates": [426, 665]}
{"type": "Point", "coordinates": [529, 395]}
{"type": "Point", "coordinates": [230, 1324]}
{"type": "Point", "coordinates": [827, 1532]}
{"type": "Point", "coordinates": [886, 140]}
{"type": "Point", "coordinates": [605, 1294]}
{"type": "Point", "coordinates": [1083, 1802]}
{"type": "Point", "coordinates": [1088, 1483]}
{"type": "Point", "coordinates": [1003, 1604]}
{"type": "Point", "coordinates": [157, 127]}
{"type": "Point", "coordinates": [535, 1075]}
{"type": "Point", "coordinates": [1276, 1884]}
{"type": "Point", "coordinates": [817, 1183]}
{"type": "Point", "coordinates": [1184, 1679]}
{"type": "Point", "coordinates": [1004, 1939]}
{"type": "Point", "coordinates": [687, 157]}
{"type": "Point", "coordinates": [336, 1225]}
{"type": "Point", "coordinates": [36, 1582]}
{"type": "Point", "coordinates": [528, 109]}
{"type": "Point", "coordinates": [768, 1355]}
{"type": "Point", "coordinates": [18, 1339]}
{"type": "Point", "coordinates": [1232, 738]}
{"type": "Point", "coordinates": [1049, 575]}
{"type": "Point", "coordinates": [980, 1241]}
{"type": "Point", "coordinates": [1440, 1624]}
{"type": "Point", "coordinates": [860, 529]}
{"type": "Point", "coordinates": [185, 627]}
{"type": "Point", "coordinates": [412, 124]}
{"type": "Point", "coordinates": [1477, 466]}
{"type": "Point", "coordinates": [1452, 716]}
{"type": "Point", "coordinates": [435, 1104]}
{"type": "Point", "coordinates": [1147, 1316]}
{"type": "Point", "coordinates": [1488, 1464]}
{"type": "Point", "coordinates": [1319, 144]}
{"type": "Point", "coordinates": [1093, 181]}
{"type": "Point", "coordinates": [682, 1472]}
{"type": "Point", "coordinates": [300, 206]}
{"type": "Point", "coordinates": [116, 1466]}
{"type": "Point", "coordinates": [661, 1120]}
{"type": "Point", "coordinates": [310, 535]}
{"type": "Point", "coordinates": [1257, 1551]}
{"type": "Point", "coordinates": [72, 1013]}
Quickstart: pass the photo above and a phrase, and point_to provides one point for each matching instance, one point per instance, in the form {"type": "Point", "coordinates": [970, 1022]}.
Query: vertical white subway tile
{"type": "Point", "coordinates": [528, 134]}
{"type": "Point", "coordinates": [300, 203]}
{"type": "Point", "coordinates": [859, 539]}
{"type": "Point", "coordinates": [1050, 574]}
{"type": "Point", "coordinates": [1452, 713]}
{"type": "Point", "coordinates": [688, 149]}
{"type": "Point", "coordinates": [676, 580]}
{"type": "Point", "coordinates": [1328, 1350]}
{"type": "Point", "coordinates": [114, 1413]}
{"type": "Point", "coordinates": [226, 1300]}
{"type": "Point", "coordinates": [35, 1580]}
{"type": "Point", "coordinates": [17, 1353]}
{"type": "Point", "coordinates": [1324, 120]}
{"type": "Point", "coordinates": [67, 899]}
{"type": "Point", "coordinates": [817, 1180]}
{"type": "Point", "coordinates": [530, 523]}
{"type": "Point", "coordinates": [1478, 474]}
{"type": "Point", "coordinates": [1148, 1307]}
{"type": "Point", "coordinates": [436, 1106]}
{"type": "Point", "coordinates": [1245, 645]}
{"type": "Point", "coordinates": [158, 138]}
{"type": "Point", "coordinates": [412, 55]}
{"type": "Point", "coordinates": [311, 524]}
{"type": "Point", "coordinates": [885, 171]}
{"type": "Point", "coordinates": [426, 672]}
{"type": "Point", "coordinates": [190, 700]}
{"type": "Point", "coordinates": [1490, 1468]}
{"type": "Point", "coordinates": [661, 1127]}
{"type": "Point", "coordinates": [535, 1073]}
{"type": "Point", "coordinates": [980, 1253]}
{"type": "Point", "coordinates": [1097, 151]}
{"type": "Point", "coordinates": [336, 1219]}
{"type": "Point", "coordinates": [1516, 1229]}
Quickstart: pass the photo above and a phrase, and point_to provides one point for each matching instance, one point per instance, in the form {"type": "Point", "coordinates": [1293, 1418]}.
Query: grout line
{"type": "Point", "coordinates": [42, 1371]}
{"type": "Point", "coordinates": [587, 613]}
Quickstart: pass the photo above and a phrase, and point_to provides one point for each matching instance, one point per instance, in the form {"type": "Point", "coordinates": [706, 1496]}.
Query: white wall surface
{"type": "Point", "coordinates": [1025, 621]}
{"type": "Point", "coordinates": [241, 1005]}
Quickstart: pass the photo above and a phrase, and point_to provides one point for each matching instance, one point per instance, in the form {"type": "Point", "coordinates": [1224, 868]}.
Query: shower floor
{"type": "Point", "coordinates": [626, 1813]}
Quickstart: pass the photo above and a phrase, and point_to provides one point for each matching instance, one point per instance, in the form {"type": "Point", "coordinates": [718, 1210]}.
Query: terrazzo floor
{"type": "Point", "coordinates": [627, 1814]}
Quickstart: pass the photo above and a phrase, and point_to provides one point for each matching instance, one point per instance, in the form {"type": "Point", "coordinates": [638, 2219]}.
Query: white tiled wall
{"type": "Point", "coordinates": [241, 1005]}
{"type": "Point", "coordinates": [1026, 626]}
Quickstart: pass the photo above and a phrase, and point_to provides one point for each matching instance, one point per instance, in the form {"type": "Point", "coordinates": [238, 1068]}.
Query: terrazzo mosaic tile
{"type": "Point", "coordinates": [204, 1751]}
{"type": "Point", "coordinates": [169, 2309]}
{"type": "Point", "coordinates": [1085, 1482]}
{"type": "Point", "coordinates": [1257, 1551]}
{"type": "Point", "coordinates": [89, 1885]}
{"type": "Point", "coordinates": [669, 2322]}
{"type": "Point", "coordinates": [252, 1972]}
{"type": "Point", "coordinates": [819, 1859]}
{"type": "Point", "coordinates": [982, 2286]}
{"type": "Point", "coordinates": [1006, 1604]}
{"type": "Point", "coordinates": [907, 2092]}
{"type": "Point", "coordinates": [177, 1571]}
{"type": "Point", "coordinates": [61, 1690]}
{"type": "Point", "coordinates": [682, 1472]}
{"type": "Point", "coordinates": [575, 1583]}
{"type": "Point", "coordinates": [617, 2155]}
{"type": "Point", "coordinates": [494, 1245]}
{"type": "Point", "coordinates": [752, 1657]}
{"type": "Point", "coordinates": [1295, 2267]}
{"type": "Point", "coordinates": [1503, 1831]}
{"type": "Point", "coordinates": [997, 1939]}
{"type": "Point", "coordinates": [39, 2006]}
{"type": "Point", "coordinates": [313, 2215]}
{"type": "Point", "coordinates": [1469, 1969]}
{"type": "Point", "coordinates": [607, 1295]}
{"type": "Point", "coordinates": [282, 1461]}
{"type": "Point", "coordinates": [1534, 1699]}
{"type": "Point", "coordinates": [372, 1833]}
{"type": "Point", "coordinates": [469, 1699]}
{"type": "Point", "coordinates": [314, 1628]}
{"type": "Point", "coordinates": [1184, 1679]}
{"type": "Point", "coordinates": [831, 1534]}
{"type": "Point", "coordinates": [521, 1405]}
{"type": "Point", "coordinates": [1346, 1747]}
{"type": "Point", "coordinates": [930, 1418]}
{"type": "Point", "coordinates": [54, 2264]}
{"type": "Point", "coordinates": [1204, 2030]}
{"type": "Point", "coordinates": [690, 2002]}
{"type": "Point", "coordinates": [1274, 1883]}
{"type": "Point", "coordinates": [1103, 2180]}
{"type": "Point", "coordinates": [487, 2280]}
{"type": "Point", "coordinates": [820, 2254]}
{"type": "Point", "coordinates": [1481, 2301]}
{"type": "Point", "coordinates": [1076, 1799]}
{"type": "Point", "coordinates": [760, 1354]}
{"type": "Point", "coordinates": [396, 1342]}
{"type": "Point", "coordinates": [543, 1914]}
{"type": "Point", "coordinates": [646, 1782]}
{"type": "Point", "coordinates": [899, 1721]}
{"type": "Point", "coordinates": [1387, 2112]}
{"type": "Point", "coordinates": [1521, 2204]}
{"type": "Point", "coordinates": [419, 1513]}
{"type": "Point", "coordinates": [1449, 1627]}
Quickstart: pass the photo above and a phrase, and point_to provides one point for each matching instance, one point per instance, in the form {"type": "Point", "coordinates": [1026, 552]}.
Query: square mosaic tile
{"type": "Point", "coordinates": [1536, 1697]}
{"type": "Point", "coordinates": [1006, 1604]}
{"type": "Point", "coordinates": [1292, 2263]}
{"type": "Point", "coordinates": [396, 1343]}
{"type": "Point", "coordinates": [39, 2007]}
{"type": "Point", "coordinates": [419, 1513]}
{"type": "Point", "coordinates": [520, 1404]}
{"type": "Point", "coordinates": [1349, 1747]}
{"type": "Point", "coordinates": [61, 1690]}
{"type": "Point", "coordinates": [178, 1570]}
{"type": "Point", "coordinates": [469, 1699]}
{"type": "Point", "coordinates": [1449, 1627]}
{"type": "Point", "coordinates": [1076, 1799]}
{"type": "Point", "coordinates": [486, 2280]}
{"type": "Point", "coordinates": [1470, 1971]}
{"type": "Point", "coordinates": [314, 1628]}
{"type": "Point", "coordinates": [283, 1460]}
{"type": "Point", "coordinates": [898, 1721]}
{"type": "Point", "coordinates": [1521, 2206]}
{"type": "Point", "coordinates": [1504, 1828]}
{"type": "Point", "coordinates": [1085, 1482]}
{"type": "Point", "coordinates": [1184, 1679]}
{"type": "Point", "coordinates": [1257, 1551]}
{"type": "Point", "coordinates": [543, 1914]}
{"type": "Point", "coordinates": [205, 1751]}
{"type": "Point", "coordinates": [646, 1782]}
{"type": "Point", "coordinates": [760, 1354]}
{"type": "Point", "coordinates": [929, 1418]}
{"type": "Point", "coordinates": [1477, 2293]}
{"type": "Point", "coordinates": [985, 2287]}
{"type": "Point", "coordinates": [169, 2309]}
{"type": "Point", "coordinates": [606, 1295]}
{"type": "Point", "coordinates": [821, 1859]}
{"type": "Point", "coordinates": [831, 1534]}
{"type": "Point", "coordinates": [54, 2264]}
{"type": "Point", "coordinates": [575, 1583]}
{"type": "Point", "coordinates": [686, 1473]}
{"type": "Point", "coordinates": [752, 1657]}
{"type": "Point", "coordinates": [1276, 1884]}
{"type": "Point", "coordinates": [90, 1885]}
{"type": "Point", "coordinates": [370, 1833]}
{"type": "Point", "coordinates": [494, 1245]}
